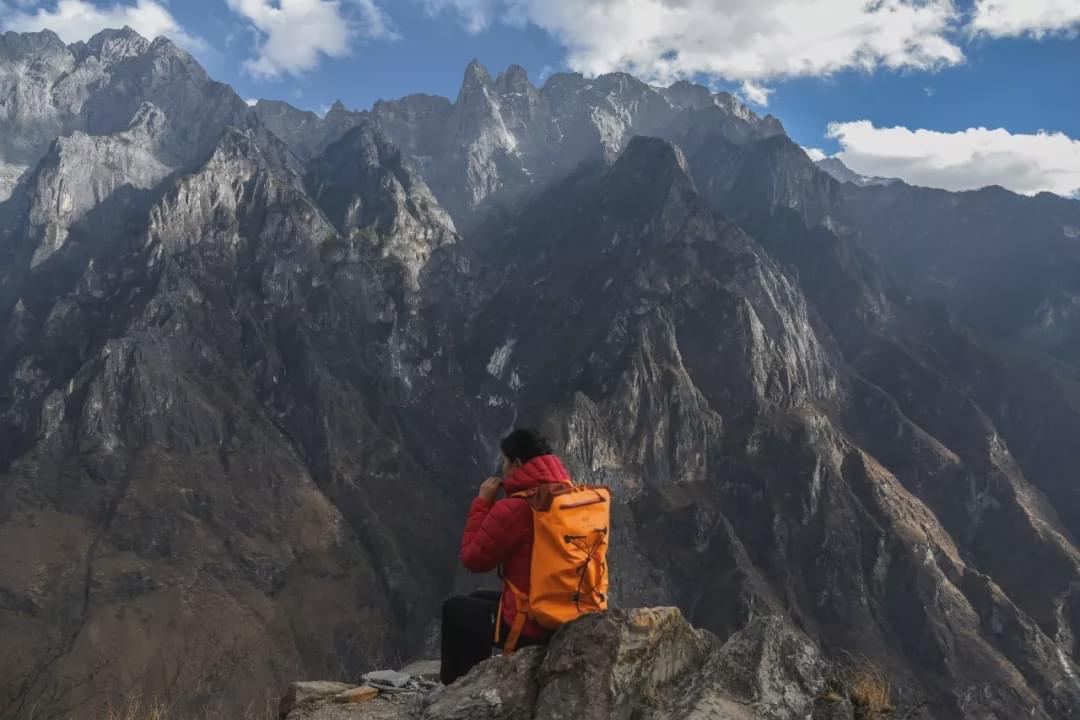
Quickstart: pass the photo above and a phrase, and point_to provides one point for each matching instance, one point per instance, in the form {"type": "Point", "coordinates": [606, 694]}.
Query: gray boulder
{"type": "Point", "coordinates": [504, 688]}
{"type": "Point", "coordinates": [388, 678]}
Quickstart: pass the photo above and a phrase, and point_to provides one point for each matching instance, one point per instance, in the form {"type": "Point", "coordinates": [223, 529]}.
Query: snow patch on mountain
{"type": "Point", "coordinates": [497, 364]}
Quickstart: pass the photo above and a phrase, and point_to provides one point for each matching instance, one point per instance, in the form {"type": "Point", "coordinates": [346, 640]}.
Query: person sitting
{"type": "Point", "coordinates": [499, 534]}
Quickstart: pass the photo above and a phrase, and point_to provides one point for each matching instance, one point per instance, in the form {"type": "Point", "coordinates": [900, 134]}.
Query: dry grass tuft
{"type": "Point", "coordinates": [135, 709]}
{"type": "Point", "coordinates": [832, 696]}
{"type": "Point", "coordinates": [870, 691]}
{"type": "Point", "coordinates": [138, 709]}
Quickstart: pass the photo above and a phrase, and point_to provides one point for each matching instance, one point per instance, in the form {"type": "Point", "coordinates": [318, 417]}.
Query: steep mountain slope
{"type": "Point", "coordinates": [902, 337]}
{"type": "Point", "coordinates": [164, 427]}
{"type": "Point", "coordinates": [207, 389]}
{"type": "Point", "coordinates": [254, 363]}
{"type": "Point", "coordinates": [749, 452]}
{"type": "Point", "coordinates": [1008, 265]}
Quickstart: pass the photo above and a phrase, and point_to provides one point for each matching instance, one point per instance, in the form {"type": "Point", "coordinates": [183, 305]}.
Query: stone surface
{"type": "Point", "coordinates": [617, 664]}
{"type": "Point", "coordinates": [388, 677]}
{"type": "Point", "coordinates": [503, 688]}
{"type": "Point", "coordinates": [423, 670]}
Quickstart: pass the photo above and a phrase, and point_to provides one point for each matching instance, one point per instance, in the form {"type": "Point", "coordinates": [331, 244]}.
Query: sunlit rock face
{"type": "Point", "coordinates": [254, 363]}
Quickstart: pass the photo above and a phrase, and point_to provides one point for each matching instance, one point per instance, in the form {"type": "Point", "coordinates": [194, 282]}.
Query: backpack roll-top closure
{"type": "Point", "coordinates": [541, 498]}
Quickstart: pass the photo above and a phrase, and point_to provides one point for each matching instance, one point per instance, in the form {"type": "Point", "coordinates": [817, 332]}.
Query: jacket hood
{"type": "Point", "coordinates": [541, 470]}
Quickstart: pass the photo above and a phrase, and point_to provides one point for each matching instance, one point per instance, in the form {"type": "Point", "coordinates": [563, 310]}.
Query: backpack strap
{"type": "Point", "coordinates": [541, 496]}
{"type": "Point", "coordinates": [521, 602]}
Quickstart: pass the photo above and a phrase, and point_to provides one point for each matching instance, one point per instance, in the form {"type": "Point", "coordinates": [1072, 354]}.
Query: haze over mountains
{"type": "Point", "coordinates": [254, 363]}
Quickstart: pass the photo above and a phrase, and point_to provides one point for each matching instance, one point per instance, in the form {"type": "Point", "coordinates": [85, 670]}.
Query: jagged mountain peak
{"type": "Point", "coordinates": [118, 44]}
{"type": "Point", "coordinates": [14, 45]}
{"type": "Point", "coordinates": [359, 150]}
{"type": "Point", "coordinates": [99, 85]}
{"type": "Point", "coordinates": [659, 160]}
{"type": "Point", "coordinates": [124, 34]}
{"type": "Point", "coordinates": [268, 109]}
{"type": "Point", "coordinates": [241, 153]}
{"type": "Point", "coordinates": [362, 183]}
{"type": "Point", "coordinates": [306, 134]}
{"type": "Point", "coordinates": [513, 79]}
{"type": "Point", "coordinates": [364, 134]}
{"type": "Point", "coordinates": [476, 76]}
{"type": "Point", "coordinates": [562, 79]}
{"type": "Point", "coordinates": [112, 46]}
{"type": "Point", "coordinates": [163, 46]}
{"type": "Point", "coordinates": [159, 57]}
{"type": "Point", "coordinates": [687, 94]}
{"type": "Point", "coordinates": [775, 127]}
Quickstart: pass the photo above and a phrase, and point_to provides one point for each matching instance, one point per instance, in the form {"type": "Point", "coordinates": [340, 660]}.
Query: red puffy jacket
{"type": "Point", "coordinates": [501, 533]}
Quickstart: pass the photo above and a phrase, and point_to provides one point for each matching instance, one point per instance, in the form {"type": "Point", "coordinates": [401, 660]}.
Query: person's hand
{"type": "Point", "coordinates": [489, 489]}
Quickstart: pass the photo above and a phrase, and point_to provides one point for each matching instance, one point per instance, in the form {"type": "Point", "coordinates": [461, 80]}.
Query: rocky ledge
{"type": "Point", "coordinates": [646, 664]}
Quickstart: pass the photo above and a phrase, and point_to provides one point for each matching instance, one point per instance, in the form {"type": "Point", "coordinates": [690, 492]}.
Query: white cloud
{"type": "Point", "coordinates": [739, 40]}
{"type": "Point", "coordinates": [964, 160]}
{"type": "Point", "coordinates": [294, 35]}
{"type": "Point", "coordinates": [251, 102]}
{"type": "Point", "coordinates": [75, 20]}
{"type": "Point", "coordinates": [476, 15]}
{"type": "Point", "coordinates": [754, 93]}
{"type": "Point", "coordinates": [1004, 18]}
{"type": "Point", "coordinates": [815, 154]}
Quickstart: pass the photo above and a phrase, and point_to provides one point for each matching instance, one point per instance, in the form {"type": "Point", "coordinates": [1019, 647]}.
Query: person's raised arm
{"type": "Point", "coordinates": [490, 531]}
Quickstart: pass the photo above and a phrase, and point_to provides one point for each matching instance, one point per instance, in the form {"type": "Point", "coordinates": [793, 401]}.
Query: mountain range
{"type": "Point", "coordinates": [254, 363]}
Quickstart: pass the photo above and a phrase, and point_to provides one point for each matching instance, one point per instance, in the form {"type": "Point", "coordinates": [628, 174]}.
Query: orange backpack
{"type": "Point", "coordinates": [569, 558]}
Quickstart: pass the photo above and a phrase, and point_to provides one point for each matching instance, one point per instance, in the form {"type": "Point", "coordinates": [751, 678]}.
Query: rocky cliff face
{"type": "Point", "coordinates": [50, 90]}
{"type": "Point", "coordinates": [254, 363]}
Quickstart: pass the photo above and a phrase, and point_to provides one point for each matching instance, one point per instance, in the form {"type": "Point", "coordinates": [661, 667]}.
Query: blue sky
{"type": "Point", "coordinates": [905, 85]}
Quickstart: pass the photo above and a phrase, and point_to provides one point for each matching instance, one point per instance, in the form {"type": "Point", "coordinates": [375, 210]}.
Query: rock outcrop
{"type": "Point", "coordinates": [648, 664]}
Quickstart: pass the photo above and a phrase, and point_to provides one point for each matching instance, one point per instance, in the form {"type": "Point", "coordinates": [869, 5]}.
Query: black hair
{"type": "Point", "coordinates": [524, 444]}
